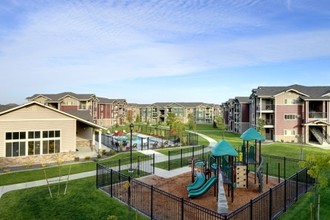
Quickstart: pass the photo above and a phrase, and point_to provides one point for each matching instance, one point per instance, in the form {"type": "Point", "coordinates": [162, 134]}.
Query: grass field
{"type": "Point", "coordinates": [84, 201]}
{"type": "Point", "coordinates": [38, 174]}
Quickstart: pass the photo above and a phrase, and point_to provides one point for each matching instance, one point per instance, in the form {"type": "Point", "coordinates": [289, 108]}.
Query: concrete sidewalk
{"type": "Point", "coordinates": [159, 172]}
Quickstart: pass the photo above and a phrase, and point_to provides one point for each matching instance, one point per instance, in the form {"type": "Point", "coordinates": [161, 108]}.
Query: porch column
{"type": "Point", "coordinates": [260, 108]}
{"type": "Point", "coordinates": [307, 112]}
{"type": "Point", "coordinates": [100, 140]}
{"type": "Point", "coordinates": [93, 137]}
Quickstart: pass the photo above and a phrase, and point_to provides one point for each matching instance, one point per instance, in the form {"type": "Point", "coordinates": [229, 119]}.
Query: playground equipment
{"type": "Point", "coordinates": [233, 166]}
{"type": "Point", "coordinates": [200, 180]}
{"type": "Point", "coordinates": [203, 189]}
{"type": "Point", "coordinates": [252, 155]}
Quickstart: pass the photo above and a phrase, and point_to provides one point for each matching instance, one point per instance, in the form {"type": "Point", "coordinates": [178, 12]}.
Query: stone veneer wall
{"type": "Point", "coordinates": [36, 159]}
{"type": "Point", "coordinates": [84, 143]}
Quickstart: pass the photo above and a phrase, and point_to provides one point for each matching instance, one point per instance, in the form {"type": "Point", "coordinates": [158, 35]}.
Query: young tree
{"type": "Point", "coordinates": [261, 126]}
{"type": "Point", "coordinates": [191, 122]}
{"type": "Point", "coordinates": [171, 118]}
{"type": "Point", "coordinates": [220, 124]}
{"type": "Point", "coordinates": [178, 128]}
{"type": "Point", "coordinates": [317, 166]}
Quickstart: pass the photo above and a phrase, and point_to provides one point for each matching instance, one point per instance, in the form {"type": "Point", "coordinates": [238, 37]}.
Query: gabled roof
{"type": "Point", "coordinates": [243, 99]}
{"type": "Point", "coordinates": [8, 106]}
{"type": "Point", "coordinates": [53, 109]}
{"type": "Point", "coordinates": [59, 96]}
{"type": "Point", "coordinates": [306, 92]}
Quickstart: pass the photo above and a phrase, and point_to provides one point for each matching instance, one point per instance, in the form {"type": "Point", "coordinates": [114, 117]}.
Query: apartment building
{"type": "Point", "coordinates": [111, 111]}
{"type": "Point", "coordinates": [103, 111]}
{"type": "Point", "coordinates": [293, 113]}
{"type": "Point", "coordinates": [157, 112]}
{"type": "Point", "coordinates": [236, 114]}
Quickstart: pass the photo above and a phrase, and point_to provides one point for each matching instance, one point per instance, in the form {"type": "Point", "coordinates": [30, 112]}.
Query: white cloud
{"type": "Point", "coordinates": [97, 42]}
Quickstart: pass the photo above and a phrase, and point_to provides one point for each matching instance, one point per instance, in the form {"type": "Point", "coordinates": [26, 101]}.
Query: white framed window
{"type": "Point", "coordinates": [289, 132]}
{"type": "Point", "coordinates": [32, 143]}
{"type": "Point", "coordinates": [291, 116]}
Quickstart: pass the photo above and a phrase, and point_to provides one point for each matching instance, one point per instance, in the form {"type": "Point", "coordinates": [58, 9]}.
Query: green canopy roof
{"type": "Point", "coordinates": [223, 148]}
{"type": "Point", "coordinates": [252, 134]}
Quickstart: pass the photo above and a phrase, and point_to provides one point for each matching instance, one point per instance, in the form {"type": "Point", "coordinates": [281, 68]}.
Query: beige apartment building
{"type": "Point", "coordinates": [157, 112]}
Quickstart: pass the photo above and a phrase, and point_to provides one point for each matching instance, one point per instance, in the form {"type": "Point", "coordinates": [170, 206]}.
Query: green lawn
{"type": "Point", "coordinates": [38, 174]}
{"type": "Point", "coordinates": [82, 201]}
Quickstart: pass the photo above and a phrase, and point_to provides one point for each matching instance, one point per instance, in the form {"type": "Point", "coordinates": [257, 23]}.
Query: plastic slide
{"type": "Point", "coordinates": [199, 181]}
{"type": "Point", "coordinates": [203, 189]}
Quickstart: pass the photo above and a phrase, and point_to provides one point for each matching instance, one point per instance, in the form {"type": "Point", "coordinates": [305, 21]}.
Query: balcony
{"type": "Point", "coordinates": [266, 107]}
{"type": "Point", "coordinates": [317, 115]}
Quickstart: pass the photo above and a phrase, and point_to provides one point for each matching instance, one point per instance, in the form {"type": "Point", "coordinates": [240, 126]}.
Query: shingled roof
{"type": "Point", "coordinates": [7, 107]}
{"type": "Point", "coordinates": [57, 97]}
{"type": "Point", "coordinates": [308, 92]}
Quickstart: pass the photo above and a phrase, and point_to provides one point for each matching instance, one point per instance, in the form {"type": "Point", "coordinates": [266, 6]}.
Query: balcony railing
{"type": "Point", "coordinates": [269, 122]}
{"type": "Point", "coordinates": [317, 114]}
{"type": "Point", "coordinates": [266, 107]}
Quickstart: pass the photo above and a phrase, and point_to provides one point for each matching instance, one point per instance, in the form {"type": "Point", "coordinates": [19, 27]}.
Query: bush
{"type": "Point", "coordinates": [87, 158]}
{"type": "Point", "coordinates": [104, 152]}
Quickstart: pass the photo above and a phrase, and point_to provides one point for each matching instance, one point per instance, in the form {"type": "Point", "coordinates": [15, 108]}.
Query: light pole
{"type": "Point", "coordinates": [131, 126]}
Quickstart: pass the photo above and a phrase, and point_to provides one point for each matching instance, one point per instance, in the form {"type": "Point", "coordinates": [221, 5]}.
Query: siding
{"type": "Point", "coordinates": [37, 118]}
{"type": "Point", "coordinates": [281, 124]}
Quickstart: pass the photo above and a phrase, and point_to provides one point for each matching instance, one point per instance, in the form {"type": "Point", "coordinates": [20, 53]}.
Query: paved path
{"type": "Point", "coordinates": [159, 172]}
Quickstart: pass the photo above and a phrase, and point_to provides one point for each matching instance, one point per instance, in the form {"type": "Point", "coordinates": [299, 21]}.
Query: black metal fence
{"type": "Point", "coordinates": [141, 166]}
{"type": "Point", "coordinates": [274, 202]}
{"type": "Point", "coordinates": [153, 202]}
{"type": "Point", "coordinates": [182, 157]}
{"type": "Point", "coordinates": [158, 204]}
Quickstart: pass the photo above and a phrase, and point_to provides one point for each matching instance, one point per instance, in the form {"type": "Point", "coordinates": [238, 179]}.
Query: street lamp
{"type": "Point", "coordinates": [131, 126]}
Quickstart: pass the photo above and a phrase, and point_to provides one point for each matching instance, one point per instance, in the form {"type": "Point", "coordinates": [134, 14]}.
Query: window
{"type": "Point", "coordinates": [15, 149]}
{"type": "Point", "coordinates": [33, 147]}
{"type": "Point", "coordinates": [32, 143]}
{"type": "Point", "coordinates": [291, 117]}
{"type": "Point", "coordinates": [289, 132]}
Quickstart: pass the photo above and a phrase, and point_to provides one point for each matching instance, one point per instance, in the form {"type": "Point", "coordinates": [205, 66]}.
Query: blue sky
{"type": "Point", "coordinates": [161, 50]}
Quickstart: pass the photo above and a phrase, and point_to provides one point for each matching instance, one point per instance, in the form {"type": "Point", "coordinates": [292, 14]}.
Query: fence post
{"type": "Point", "coordinates": [267, 173]}
{"type": "Point", "coordinates": [296, 187]}
{"type": "Point", "coordinates": [251, 210]}
{"type": "Point", "coordinates": [182, 209]}
{"type": "Point", "coordinates": [169, 160]}
{"type": "Point", "coordinates": [97, 175]}
{"type": "Point", "coordinates": [203, 152]}
{"type": "Point", "coordinates": [138, 165]}
{"type": "Point", "coordinates": [129, 191]}
{"type": "Point", "coordinates": [306, 180]}
{"type": "Point", "coordinates": [153, 163]}
{"type": "Point", "coordinates": [111, 174]}
{"type": "Point", "coordinates": [193, 152]}
{"type": "Point", "coordinates": [151, 202]}
{"type": "Point", "coordinates": [279, 172]}
{"type": "Point", "coordinates": [181, 158]}
{"type": "Point", "coordinates": [284, 171]}
{"type": "Point", "coordinates": [270, 203]}
{"type": "Point", "coordinates": [284, 197]}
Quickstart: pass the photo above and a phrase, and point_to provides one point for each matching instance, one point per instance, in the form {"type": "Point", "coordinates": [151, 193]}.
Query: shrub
{"type": "Point", "coordinates": [87, 158]}
{"type": "Point", "coordinates": [104, 152]}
